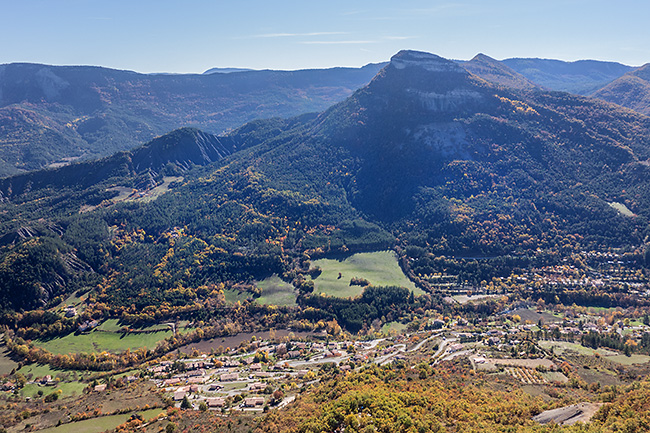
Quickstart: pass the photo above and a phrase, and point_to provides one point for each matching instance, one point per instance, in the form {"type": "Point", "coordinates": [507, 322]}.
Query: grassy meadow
{"type": "Point", "coordinates": [276, 292]}
{"type": "Point", "coordinates": [106, 337]}
{"type": "Point", "coordinates": [379, 268]}
{"type": "Point", "coordinates": [100, 424]}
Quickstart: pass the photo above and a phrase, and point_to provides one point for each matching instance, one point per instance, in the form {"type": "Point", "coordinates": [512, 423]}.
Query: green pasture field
{"type": "Point", "coordinates": [99, 424]}
{"type": "Point", "coordinates": [41, 370]}
{"type": "Point", "coordinates": [98, 341]}
{"type": "Point", "coordinates": [395, 327]}
{"type": "Point", "coordinates": [67, 389]}
{"type": "Point", "coordinates": [232, 296]}
{"type": "Point", "coordinates": [560, 347]}
{"type": "Point", "coordinates": [629, 360]}
{"type": "Point", "coordinates": [379, 268]}
{"type": "Point", "coordinates": [110, 325]}
{"type": "Point", "coordinates": [276, 292]}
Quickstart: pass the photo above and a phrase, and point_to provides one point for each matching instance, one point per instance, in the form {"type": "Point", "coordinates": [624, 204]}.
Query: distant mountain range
{"type": "Point", "coordinates": [582, 77]}
{"type": "Point", "coordinates": [427, 157]}
{"type": "Point", "coordinates": [54, 114]}
{"type": "Point", "coordinates": [498, 73]}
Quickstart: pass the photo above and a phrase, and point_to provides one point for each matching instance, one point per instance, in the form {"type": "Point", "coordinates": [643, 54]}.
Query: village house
{"type": "Point", "coordinates": [253, 401]}
{"type": "Point", "coordinates": [256, 386]}
{"type": "Point", "coordinates": [195, 365]}
{"type": "Point", "coordinates": [88, 325]}
{"type": "Point", "coordinates": [293, 354]}
{"type": "Point", "coordinates": [195, 373]}
{"type": "Point", "coordinates": [171, 382]}
{"type": "Point", "coordinates": [216, 402]}
{"type": "Point", "coordinates": [159, 369]}
{"type": "Point", "coordinates": [46, 380]}
{"type": "Point", "coordinates": [226, 377]}
{"type": "Point", "coordinates": [231, 363]}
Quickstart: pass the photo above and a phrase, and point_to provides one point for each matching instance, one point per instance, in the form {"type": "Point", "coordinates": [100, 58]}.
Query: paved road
{"type": "Point", "coordinates": [421, 343]}
{"type": "Point", "coordinates": [442, 348]}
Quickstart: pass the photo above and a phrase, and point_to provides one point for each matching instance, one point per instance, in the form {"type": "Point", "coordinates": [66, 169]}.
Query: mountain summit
{"type": "Point", "coordinates": [496, 72]}
{"type": "Point", "coordinates": [418, 59]}
{"type": "Point", "coordinates": [430, 145]}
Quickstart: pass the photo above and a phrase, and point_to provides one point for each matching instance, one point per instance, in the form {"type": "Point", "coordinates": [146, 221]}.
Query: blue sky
{"type": "Point", "coordinates": [195, 35]}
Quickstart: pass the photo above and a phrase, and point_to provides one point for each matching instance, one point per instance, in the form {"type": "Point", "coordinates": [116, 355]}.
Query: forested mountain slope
{"type": "Point", "coordinates": [53, 114]}
{"type": "Point", "coordinates": [632, 90]}
{"type": "Point", "coordinates": [427, 157]}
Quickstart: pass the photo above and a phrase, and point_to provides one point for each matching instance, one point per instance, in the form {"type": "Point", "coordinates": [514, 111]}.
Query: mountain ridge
{"type": "Point", "coordinates": [580, 77]}
{"type": "Point", "coordinates": [49, 114]}
{"type": "Point", "coordinates": [497, 72]}
{"type": "Point", "coordinates": [632, 90]}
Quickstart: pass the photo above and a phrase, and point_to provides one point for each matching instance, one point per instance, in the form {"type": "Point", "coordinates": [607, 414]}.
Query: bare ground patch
{"type": "Point", "coordinates": [569, 415]}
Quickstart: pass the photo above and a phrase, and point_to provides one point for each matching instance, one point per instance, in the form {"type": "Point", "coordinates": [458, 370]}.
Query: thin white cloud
{"type": "Point", "coordinates": [336, 42]}
{"type": "Point", "coordinates": [401, 14]}
{"type": "Point", "coordinates": [399, 38]}
{"type": "Point", "coordinates": [438, 9]}
{"type": "Point", "coordinates": [294, 35]}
